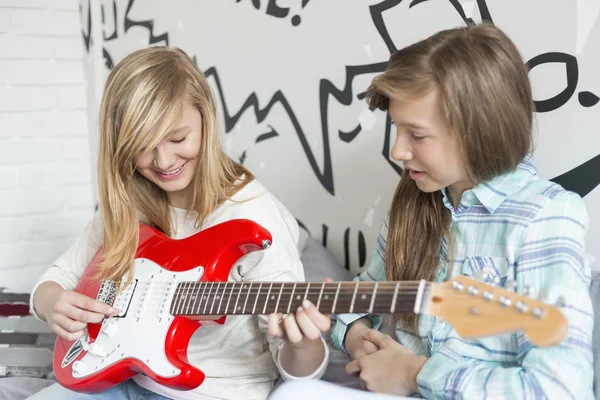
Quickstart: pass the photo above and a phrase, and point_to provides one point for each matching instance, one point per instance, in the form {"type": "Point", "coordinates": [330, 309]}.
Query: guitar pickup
{"type": "Point", "coordinates": [123, 299]}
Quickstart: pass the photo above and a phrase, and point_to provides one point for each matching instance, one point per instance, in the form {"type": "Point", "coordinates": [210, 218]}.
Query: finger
{"type": "Point", "coordinates": [322, 321]}
{"type": "Point", "coordinates": [87, 303]}
{"type": "Point", "coordinates": [369, 347]}
{"type": "Point", "coordinates": [71, 336]}
{"type": "Point", "coordinates": [328, 280]}
{"type": "Point", "coordinates": [274, 328]}
{"type": "Point", "coordinates": [81, 315]}
{"type": "Point", "coordinates": [379, 339]}
{"type": "Point", "coordinates": [291, 329]}
{"type": "Point", "coordinates": [307, 326]}
{"type": "Point", "coordinates": [353, 368]}
{"type": "Point", "coordinates": [67, 324]}
{"type": "Point", "coordinates": [358, 353]}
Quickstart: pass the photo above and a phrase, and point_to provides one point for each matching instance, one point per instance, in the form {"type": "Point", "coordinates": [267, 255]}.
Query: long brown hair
{"type": "Point", "coordinates": [484, 95]}
{"type": "Point", "coordinates": [142, 102]}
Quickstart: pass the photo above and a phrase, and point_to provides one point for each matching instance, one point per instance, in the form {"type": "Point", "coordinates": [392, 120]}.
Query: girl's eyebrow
{"type": "Point", "coordinates": [180, 129]}
{"type": "Point", "coordinates": [414, 125]}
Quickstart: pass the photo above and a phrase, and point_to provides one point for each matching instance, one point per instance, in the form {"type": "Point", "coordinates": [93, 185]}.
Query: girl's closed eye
{"type": "Point", "coordinates": [416, 136]}
{"type": "Point", "coordinates": [178, 140]}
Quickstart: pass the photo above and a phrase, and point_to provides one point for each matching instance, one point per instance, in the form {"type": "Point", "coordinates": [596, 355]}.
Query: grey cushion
{"type": "Point", "coordinates": [320, 264]}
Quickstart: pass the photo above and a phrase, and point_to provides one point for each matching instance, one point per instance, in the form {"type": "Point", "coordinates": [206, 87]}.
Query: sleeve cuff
{"type": "Point", "coordinates": [344, 322]}
{"type": "Point", "coordinates": [315, 375]}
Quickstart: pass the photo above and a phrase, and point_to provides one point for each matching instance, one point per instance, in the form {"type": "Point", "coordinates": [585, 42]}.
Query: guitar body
{"type": "Point", "coordinates": [145, 337]}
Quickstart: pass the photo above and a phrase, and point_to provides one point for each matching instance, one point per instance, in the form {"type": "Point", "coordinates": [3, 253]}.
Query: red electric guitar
{"type": "Point", "coordinates": [178, 285]}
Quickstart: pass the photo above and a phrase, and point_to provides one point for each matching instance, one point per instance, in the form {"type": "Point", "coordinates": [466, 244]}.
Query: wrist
{"type": "Point", "coordinates": [44, 298]}
{"type": "Point", "coordinates": [416, 365]}
{"type": "Point", "coordinates": [304, 345]}
{"type": "Point", "coordinates": [353, 335]}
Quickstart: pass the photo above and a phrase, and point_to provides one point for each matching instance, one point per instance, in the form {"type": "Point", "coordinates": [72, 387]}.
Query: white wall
{"type": "Point", "coordinates": [297, 68]}
{"type": "Point", "coordinates": [45, 165]}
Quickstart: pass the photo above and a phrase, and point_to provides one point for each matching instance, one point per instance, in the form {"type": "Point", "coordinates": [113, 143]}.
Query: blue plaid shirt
{"type": "Point", "coordinates": [527, 229]}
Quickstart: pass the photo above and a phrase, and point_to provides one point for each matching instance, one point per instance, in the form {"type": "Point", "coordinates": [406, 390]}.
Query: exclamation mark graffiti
{"type": "Point", "coordinates": [296, 18]}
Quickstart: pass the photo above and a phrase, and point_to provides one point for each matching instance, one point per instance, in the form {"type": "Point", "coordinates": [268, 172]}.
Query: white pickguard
{"type": "Point", "coordinates": [141, 332]}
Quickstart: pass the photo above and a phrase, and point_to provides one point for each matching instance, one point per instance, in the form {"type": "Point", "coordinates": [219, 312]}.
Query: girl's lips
{"type": "Point", "coordinates": [171, 175]}
{"type": "Point", "coordinates": [416, 175]}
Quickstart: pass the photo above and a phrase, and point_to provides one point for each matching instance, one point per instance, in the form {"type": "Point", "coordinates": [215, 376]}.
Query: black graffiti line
{"type": "Point", "coordinates": [588, 99]}
{"type": "Point", "coordinates": [325, 177]}
{"type": "Point", "coordinates": [108, 61]}
{"type": "Point", "coordinates": [255, 3]}
{"type": "Point", "coordinates": [481, 4]}
{"type": "Point", "coordinates": [114, 34]}
{"type": "Point", "coordinates": [148, 24]}
{"type": "Point", "coordinates": [267, 135]}
{"type": "Point", "coordinates": [582, 179]}
{"type": "Point", "coordinates": [344, 96]}
{"type": "Point", "coordinates": [572, 69]}
{"type": "Point", "coordinates": [378, 9]}
{"type": "Point", "coordinates": [86, 38]}
{"type": "Point", "coordinates": [274, 10]}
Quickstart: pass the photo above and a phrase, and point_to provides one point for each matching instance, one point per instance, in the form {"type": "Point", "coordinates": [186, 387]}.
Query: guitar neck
{"type": "Point", "coordinates": [243, 298]}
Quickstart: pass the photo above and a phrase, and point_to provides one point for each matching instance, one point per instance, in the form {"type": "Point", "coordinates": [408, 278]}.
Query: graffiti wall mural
{"type": "Point", "coordinates": [290, 79]}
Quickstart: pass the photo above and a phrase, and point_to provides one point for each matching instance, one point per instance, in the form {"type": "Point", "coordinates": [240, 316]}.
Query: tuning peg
{"type": "Point", "coordinates": [560, 302]}
{"type": "Point", "coordinates": [528, 290]}
{"type": "Point", "coordinates": [480, 275]}
{"type": "Point", "coordinates": [510, 284]}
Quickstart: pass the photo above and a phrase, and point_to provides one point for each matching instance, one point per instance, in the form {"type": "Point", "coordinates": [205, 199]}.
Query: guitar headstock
{"type": "Point", "coordinates": [476, 310]}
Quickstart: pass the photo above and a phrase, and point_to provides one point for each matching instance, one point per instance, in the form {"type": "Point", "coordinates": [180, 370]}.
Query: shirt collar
{"type": "Point", "coordinates": [494, 191]}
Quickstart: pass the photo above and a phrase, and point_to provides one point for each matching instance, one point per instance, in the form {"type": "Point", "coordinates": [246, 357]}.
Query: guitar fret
{"type": "Point", "coordinates": [320, 295]}
{"type": "Point", "coordinates": [229, 299]}
{"type": "Point", "coordinates": [208, 297]}
{"type": "Point", "coordinates": [354, 296]}
{"type": "Point", "coordinates": [214, 298]}
{"type": "Point", "coordinates": [238, 297]}
{"type": "Point", "coordinates": [291, 298]}
{"type": "Point", "coordinates": [306, 293]}
{"type": "Point", "coordinates": [221, 300]}
{"type": "Point", "coordinates": [278, 298]}
{"type": "Point", "coordinates": [175, 302]}
{"type": "Point", "coordinates": [247, 295]}
{"type": "Point", "coordinates": [267, 299]}
{"type": "Point", "coordinates": [188, 299]}
{"type": "Point", "coordinates": [195, 292]}
{"type": "Point", "coordinates": [256, 300]}
{"type": "Point", "coordinates": [179, 292]}
{"type": "Point", "coordinates": [183, 297]}
{"type": "Point", "coordinates": [337, 292]}
{"type": "Point", "coordinates": [393, 307]}
{"type": "Point", "coordinates": [373, 297]}
{"type": "Point", "coordinates": [203, 285]}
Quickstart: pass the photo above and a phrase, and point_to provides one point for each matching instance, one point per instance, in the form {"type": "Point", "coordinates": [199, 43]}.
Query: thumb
{"type": "Point", "coordinates": [379, 339]}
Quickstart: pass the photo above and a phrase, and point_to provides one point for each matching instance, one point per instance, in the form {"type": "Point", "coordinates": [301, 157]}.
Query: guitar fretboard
{"type": "Point", "coordinates": [231, 298]}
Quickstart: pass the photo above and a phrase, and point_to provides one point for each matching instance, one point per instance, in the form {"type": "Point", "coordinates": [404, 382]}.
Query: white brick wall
{"type": "Point", "coordinates": [45, 172]}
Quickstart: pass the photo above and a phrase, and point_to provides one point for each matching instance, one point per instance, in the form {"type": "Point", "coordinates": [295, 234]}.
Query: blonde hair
{"type": "Point", "coordinates": [485, 99]}
{"type": "Point", "coordinates": [142, 102]}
